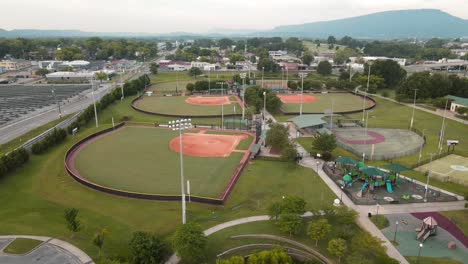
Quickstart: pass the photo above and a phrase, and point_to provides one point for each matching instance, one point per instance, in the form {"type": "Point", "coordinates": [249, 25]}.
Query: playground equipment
{"type": "Point", "coordinates": [389, 187]}
{"type": "Point", "coordinates": [428, 228]}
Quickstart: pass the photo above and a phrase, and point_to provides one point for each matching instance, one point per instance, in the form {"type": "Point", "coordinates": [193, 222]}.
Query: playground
{"type": "Point", "coordinates": [318, 103]}
{"type": "Point", "coordinates": [440, 237]}
{"type": "Point", "coordinates": [189, 106]}
{"type": "Point", "coordinates": [379, 143]}
{"type": "Point", "coordinates": [370, 185]}
{"type": "Point", "coordinates": [452, 168]}
{"type": "Point", "coordinates": [146, 160]}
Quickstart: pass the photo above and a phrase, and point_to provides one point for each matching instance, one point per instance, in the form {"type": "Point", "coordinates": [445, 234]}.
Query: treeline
{"type": "Point", "coordinates": [432, 86]}
{"type": "Point", "coordinates": [203, 85]}
{"type": "Point", "coordinates": [93, 48]}
{"type": "Point", "coordinates": [130, 88]}
{"type": "Point", "coordinates": [254, 98]}
{"type": "Point", "coordinates": [56, 137]}
{"type": "Point", "coordinates": [407, 50]}
{"type": "Point", "coordinates": [13, 161]}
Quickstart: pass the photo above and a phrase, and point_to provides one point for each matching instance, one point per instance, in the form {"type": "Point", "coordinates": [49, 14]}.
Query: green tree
{"type": "Point", "coordinates": [194, 71]}
{"type": "Point", "coordinates": [434, 43]}
{"type": "Point", "coordinates": [231, 260]}
{"type": "Point", "coordinates": [268, 65]}
{"type": "Point", "coordinates": [277, 136]}
{"type": "Point", "coordinates": [324, 142]}
{"type": "Point", "coordinates": [147, 248]}
{"type": "Point", "coordinates": [337, 247]}
{"type": "Point", "coordinates": [318, 230]}
{"type": "Point", "coordinates": [190, 87]}
{"type": "Point", "coordinates": [225, 43]}
{"type": "Point", "coordinates": [98, 240]}
{"type": "Point", "coordinates": [275, 256]}
{"type": "Point", "coordinates": [274, 210]}
{"type": "Point", "coordinates": [154, 68]}
{"type": "Point", "coordinates": [289, 223]}
{"type": "Point", "coordinates": [100, 76]}
{"type": "Point", "coordinates": [235, 57]}
{"type": "Point", "coordinates": [292, 85]}
{"type": "Point", "coordinates": [324, 68]}
{"type": "Point", "coordinates": [293, 204]}
{"type": "Point", "coordinates": [307, 59]}
{"type": "Point", "coordinates": [342, 56]}
{"type": "Point", "coordinates": [289, 153]}
{"type": "Point", "coordinates": [189, 242]}
{"type": "Point", "coordinates": [71, 217]}
{"type": "Point", "coordinates": [42, 72]}
{"type": "Point", "coordinates": [331, 40]}
{"type": "Point", "coordinates": [375, 82]}
{"type": "Point", "coordinates": [389, 70]}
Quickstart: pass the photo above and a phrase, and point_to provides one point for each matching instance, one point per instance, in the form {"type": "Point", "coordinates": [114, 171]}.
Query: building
{"type": "Point", "coordinates": [164, 63]}
{"type": "Point", "coordinates": [460, 52]}
{"type": "Point", "coordinates": [457, 102]}
{"type": "Point", "coordinates": [54, 65]}
{"type": "Point", "coordinates": [309, 124]}
{"type": "Point", "coordinates": [14, 65]}
{"type": "Point", "coordinates": [198, 64]}
{"type": "Point", "coordinates": [69, 77]}
{"type": "Point", "coordinates": [179, 67]}
{"type": "Point", "coordinates": [400, 61]}
{"type": "Point", "coordinates": [2, 70]}
{"type": "Point", "coordinates": [275, 53]}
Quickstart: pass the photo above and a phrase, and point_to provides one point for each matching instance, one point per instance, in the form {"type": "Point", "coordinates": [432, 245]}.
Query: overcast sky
{"type": "Point", "coordinates": [160, 16]}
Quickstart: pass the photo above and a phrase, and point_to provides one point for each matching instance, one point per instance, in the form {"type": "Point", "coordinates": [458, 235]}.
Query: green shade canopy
{"type": "Point", "coordinates": [347, 178]}
{"type": "Point", "coordinates": [345, 160]}
{"type": "Point", "coordinates": [396, 167]}
{"type": "Point", "coordinates": [304, 121]}
{"type": "Point", "coordinates": [361, 165]}
{"type": "Point", "coordinates": [255, 148]}
{"type": "Point", "coordinates": [370, 171]}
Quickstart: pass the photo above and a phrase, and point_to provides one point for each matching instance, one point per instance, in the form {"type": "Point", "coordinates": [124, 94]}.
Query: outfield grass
{"type": "Point", "coordinates": [460, 218]}
{"type": "Point", "coordinates": [14, 143]}
{"type": "Point", "coordinates": [21, 246]}
{"type": "Point", "coordinates": [176, 105]}
{"type": "Point", "coordinates": [428, 260]}
{"type": "Point", "coordinates": [341, 103]}
{"type": "Point", "coordinates": [169, 86]}
{"type": "Point", "coordinates": [139, 160]}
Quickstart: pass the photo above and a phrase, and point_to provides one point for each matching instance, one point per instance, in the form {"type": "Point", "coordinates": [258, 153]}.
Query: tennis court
{"type": "Point", "coordinates": [452, 168]}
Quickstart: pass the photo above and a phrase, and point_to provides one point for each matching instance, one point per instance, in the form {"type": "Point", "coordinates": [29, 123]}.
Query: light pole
{"type": "Point", "coordinates": [180, 125]}
{"type": "Point", "coordinates": [264, 106]}
{"type": "Point", "coordinates": [243, 76]}
{"type": "Point", "coordinates": [365, 93]}
{"type": "Point", "coordinates": [94, 102]}
{"type": "Point", "coordinates": [427, 181]}
{"type": "Point", "coordinates": [302, 75]}
{"type": "Point", "coordinates": [419, 253]}
{"type": "Point", "coordinates": [263, 73]}
{"type": "Point", "coordinates": [378, 206]}
{"type": "Point", "coordinates": [222, 105]}
{"type": "Point", "coordinates": [365, 130]}
{"type": "Point", "coordinates": [177, 79]}
{"type": "Point", "coordinates": [396, 230]}
{"type": "Point", "coordinates": [414, 107]}
{"type": "Point", "coordinates": [209, 82]}
{"type": "Point", "coordinates": [57, 102]}
{"type": "Point", "coordinates": [420, 149]}
{"type": "Point", "coordinates": [341, 196]}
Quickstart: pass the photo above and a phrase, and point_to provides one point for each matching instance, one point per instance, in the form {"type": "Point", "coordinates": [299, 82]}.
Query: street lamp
{"type": "Point", "coordinates": [243, 76]}
{"type": "Point", "coordinates": [318, 164]}
{"type": "Point", "coordinates": [341, 197]}
{"type": "Point", "coordinates": [414, 106]}
{"type": "Point", "coordinates": [180, 125]}
{"type": "Point", "coordinates": [419, 253]}
{"type": "Point", "coordinates": [378, 206]}
{"type": "Point", "coordinates": [222, 105]}
{"type": "Point", "coordinates": [396, 230]}
{"type": "Point", "coordinates": [365, 92]}
{"type": "Point", "coordinates": [57, 102]}
{"type": "Point", "coordinates": [302, 75]}
{"type": "Point", "coordinates": [264, 105]}
{"type": "Point", "coordinates": [427, 181]}
{"type": "Point", "coordinates": [420, 149]}
{"type": "Point", "coordinates": [263, 73]}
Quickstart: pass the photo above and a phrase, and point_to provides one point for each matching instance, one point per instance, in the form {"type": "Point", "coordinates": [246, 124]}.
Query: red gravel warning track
{"type": "Point", "coordinates": [376, 138]}
{"type": "Point", "coordinates": [206, 145]}
{"type": "Point", "coordinates": [296, 98]}
{"type": "Point", "coordinates": [211, 100]}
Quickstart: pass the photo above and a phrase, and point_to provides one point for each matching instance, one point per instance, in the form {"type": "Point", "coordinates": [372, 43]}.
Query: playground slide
{"type": "Point", "coordinates": [426, 236]}
{"type": "Point", "coordinates": [389, 187]}
{"type": "Point", "coordinates": [422, 233]}
{"type": "Point", "coordinates": [363, 186]}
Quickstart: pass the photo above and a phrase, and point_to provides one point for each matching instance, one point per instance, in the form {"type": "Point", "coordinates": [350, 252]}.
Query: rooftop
{"type": "Point", "coordinates": [304, 121]}
{"type": "Point", "coordinates": [458, 100]}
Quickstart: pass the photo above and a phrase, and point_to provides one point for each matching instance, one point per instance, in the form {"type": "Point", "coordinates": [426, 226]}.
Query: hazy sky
{"type": "Point", "coordinates": [196, 15]}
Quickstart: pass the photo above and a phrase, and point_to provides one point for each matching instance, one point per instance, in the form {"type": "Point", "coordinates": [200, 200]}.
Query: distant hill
{"type": "Point", "coordinates": [422, 23]}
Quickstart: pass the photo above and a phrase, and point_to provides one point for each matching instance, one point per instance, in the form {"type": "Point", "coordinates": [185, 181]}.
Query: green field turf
{"type": "Point", "coordinates": [176, 105]}
{"type": "Point", "coordinates": [441, 169]}
{"type": "Point", "coordinates": [169, 86]}
{"type": "Point", "coordinates": [139, 160]}
{"type": "Point", "coordinates": [342, 103]}
{"type": "Point", "coordinates": [21, 246]}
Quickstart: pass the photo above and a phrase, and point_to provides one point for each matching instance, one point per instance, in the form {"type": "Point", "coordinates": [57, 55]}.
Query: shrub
{"type": "Point", "coordinates": [385, 94]}
{"type": "Point", "coordinates": [56, 137]}
{"type": "Point", "coordinates": [13, 160]}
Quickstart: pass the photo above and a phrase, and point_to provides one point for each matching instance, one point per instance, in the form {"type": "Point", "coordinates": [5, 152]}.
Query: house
{"type": "Point", "coordinates": [14, 65]}
{"type": "Point", "coordinates": [457, 102]}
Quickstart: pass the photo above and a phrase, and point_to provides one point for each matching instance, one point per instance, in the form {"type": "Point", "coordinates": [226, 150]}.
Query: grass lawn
{"type": "Point", "coordinates": [342, 103]}
{"type": "Point", "coordinates": [21, 246]}
{"type": "Point", "coordinates": [312, 47]}
{"type": "Point", "coordinates": [176, 105]}
{"type": "Point", "coordinates": [427, 260]}
{"type": "Point", "coordinates": [169, 86]}
{"type": "Point", "coordinates": [14, 143]}
{"type": "Point", "coordinates": [139, 160]}
{"type": "Point", "coordinates": [460, 218]}
{"type": "Point", "coordinates": [380, 221]}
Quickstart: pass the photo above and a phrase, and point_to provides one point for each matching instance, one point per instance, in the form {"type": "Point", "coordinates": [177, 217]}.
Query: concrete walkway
{"type": "Point", "coordinates": [65, 247]}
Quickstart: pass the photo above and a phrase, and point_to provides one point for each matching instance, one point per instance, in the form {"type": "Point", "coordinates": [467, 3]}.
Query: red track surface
{"type": "Point", "coordinates": [206, 145]}
{"type": "Point", "coordinates": [376, 138]}
{"type": "Point", "coordinates": [211, 100]}
{"type": "Point", "coordinates": [296, 98]}
{"type": "Point", "coordinates": [446, 224]}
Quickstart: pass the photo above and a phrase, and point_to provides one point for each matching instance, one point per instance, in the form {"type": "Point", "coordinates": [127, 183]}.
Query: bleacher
{"type": "Point", "coordinates": [18, 100]}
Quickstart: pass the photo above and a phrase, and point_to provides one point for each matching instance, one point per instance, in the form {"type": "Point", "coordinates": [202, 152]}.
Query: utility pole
{"type": "Point", "coordinates": [414, 107]}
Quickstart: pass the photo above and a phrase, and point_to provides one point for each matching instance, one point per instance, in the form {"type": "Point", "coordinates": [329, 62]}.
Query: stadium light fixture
{"type": "Point", "coordinates": [222, 105]}
{"type": "Point", "coordinates": [180, 125]}
{"type": "Point", "coordinates": [243, 76]}
{"type": "Point", "coordinates": [302, 75]}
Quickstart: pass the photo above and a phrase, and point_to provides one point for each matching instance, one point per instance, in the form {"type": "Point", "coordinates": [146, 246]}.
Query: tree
{"type": "Point", "coordinates": [277, 136]}
{"type": "Point", "coordinates": [189, 242]}
{"type": "Point", "coordinates": [389, 70]}
{"type": "Point", "coordinates": [318, 230]}
{"type": "Point", "coordinates": [235, 57]}
{"type": "Point", "coordinates": [71, 216]}
{"type": "Point", "coordinates": [342, 56]}
{"type": "Point", "coordinates": [434, 43]}
{"type": "Point", "coordinates": [275, 256]}
{"type": "Point", "coordinates": [307, 59]}
{"type": "Point", "coordinates": [289, 153]}
{"type": "Point", "coordinates": [154, 68]}
{"type": "Point", "coordinates": [225, 43]}
{"type": "Point", "coordinates": [147, 248]}
{"type": "Point", "coordinates": [289, 223]}
{"type": "Point", "coordinates": [100, 76]}
{"type": "Point", "coordinates": [190, 87]}
{"type": "Point", "coordinates": [268, 64]}
{"type": "Point", "coordinates": [337, 247]}
{"type": "Point", "coordinates": [98, 240]}
{"type": "Point", "coordinates": [331, 40]}
{"type": "Point", "coordinates": [324, 68]}
{"type": "Point", "coordinates": [42, 72]}
{"type": "Point", "coordinates": [324, 142]}
{"type": "Point", "coordinates": [274, 210]}
{"type": "Point", "coordinates": [292, 85]}
{"type": "Point", "coordinates": [231, 260]}
{"type": "Point", "coordinates": [293, 204]}
{"type": "Point", "coordinates": [194, 71]}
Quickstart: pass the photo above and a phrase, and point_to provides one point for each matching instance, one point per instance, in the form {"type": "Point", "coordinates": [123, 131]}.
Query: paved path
{"type": "Point", "coordinates": [51, 251]}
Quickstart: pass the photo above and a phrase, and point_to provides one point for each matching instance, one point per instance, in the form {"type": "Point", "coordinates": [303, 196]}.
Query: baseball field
{"type": "Point", "coordinates": [319, 103]}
